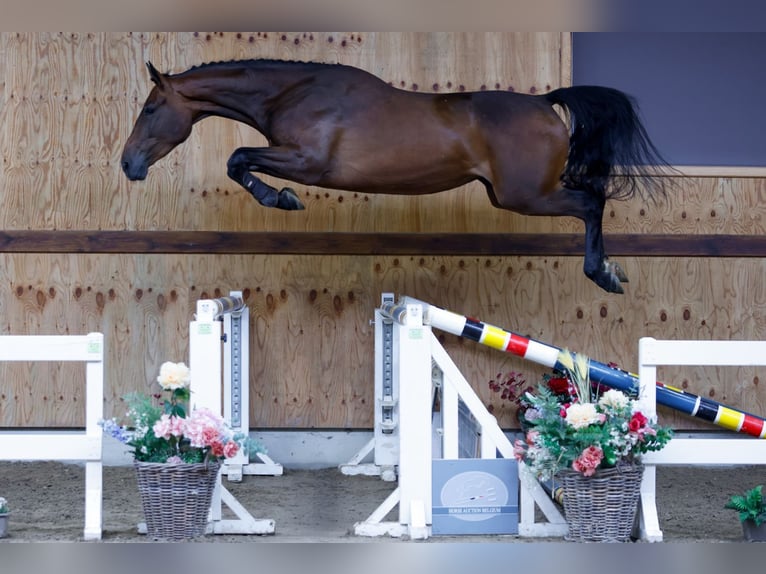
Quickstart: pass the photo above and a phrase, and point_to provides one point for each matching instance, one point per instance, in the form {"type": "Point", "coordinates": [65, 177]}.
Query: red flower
{"type": "Point", "coordinates": [559, 385]}
{"type": "Point", "coordinates": [217, 448]}
{"type": "Point", "coordinates": [637, 422]}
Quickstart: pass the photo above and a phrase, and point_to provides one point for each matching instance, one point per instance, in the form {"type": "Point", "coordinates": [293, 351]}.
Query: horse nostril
{"type": "Point", "coordinates": [125, 165]}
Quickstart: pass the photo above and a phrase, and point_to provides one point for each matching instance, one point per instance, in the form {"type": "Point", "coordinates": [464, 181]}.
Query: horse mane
{"type": "Point", "coordinates": [250, 63]}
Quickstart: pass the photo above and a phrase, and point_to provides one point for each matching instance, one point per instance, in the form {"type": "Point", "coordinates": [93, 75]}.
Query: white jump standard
{"type": "Point", "coordinates": [420, 367]}
{"type": "Point", "coordinates": [218, 357]}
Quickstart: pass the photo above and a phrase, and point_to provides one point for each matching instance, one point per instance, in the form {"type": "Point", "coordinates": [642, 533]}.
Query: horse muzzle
{"type": "Point", "coordinates": [134, 170]}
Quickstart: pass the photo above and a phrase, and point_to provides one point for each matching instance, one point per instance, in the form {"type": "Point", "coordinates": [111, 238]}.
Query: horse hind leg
{"type": "Point", "coordinates": [605, 273]}
{"type": "Point", "coordinates": [587, 206]}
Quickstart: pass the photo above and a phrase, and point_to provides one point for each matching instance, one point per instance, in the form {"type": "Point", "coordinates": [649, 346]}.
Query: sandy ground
{"type": "Point", "coordinates": [46, 500]}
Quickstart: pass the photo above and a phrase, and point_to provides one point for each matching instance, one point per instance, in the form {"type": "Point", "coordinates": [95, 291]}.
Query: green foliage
{"type": "Point", "coordinates": [750, 505]}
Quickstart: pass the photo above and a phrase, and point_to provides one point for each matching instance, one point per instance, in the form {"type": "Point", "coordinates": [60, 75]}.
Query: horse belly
{"type": "Point", "coordinates": [397, 172]}
{"type": "Point", "coordinates": [424, 160]}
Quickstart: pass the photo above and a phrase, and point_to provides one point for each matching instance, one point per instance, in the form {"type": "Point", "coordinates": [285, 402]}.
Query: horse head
{"type": "Point", "coordinates": [164, 122]}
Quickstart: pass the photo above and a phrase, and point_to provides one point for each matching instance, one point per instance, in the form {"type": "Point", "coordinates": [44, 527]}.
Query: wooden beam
{"type": "Point", "coordinates": [343, 243]}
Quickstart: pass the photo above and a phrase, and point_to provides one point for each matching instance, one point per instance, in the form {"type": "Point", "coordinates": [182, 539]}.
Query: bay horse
{"type": "Point", "coordinates": [340, 127]}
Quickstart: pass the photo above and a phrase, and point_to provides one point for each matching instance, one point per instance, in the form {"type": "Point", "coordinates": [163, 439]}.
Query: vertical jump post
{"type": "Point", "coordinates": [219, 346]}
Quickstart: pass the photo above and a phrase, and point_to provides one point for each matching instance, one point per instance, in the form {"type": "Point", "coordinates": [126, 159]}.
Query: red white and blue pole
{"type": "Point", "coordinates": [547, 355]}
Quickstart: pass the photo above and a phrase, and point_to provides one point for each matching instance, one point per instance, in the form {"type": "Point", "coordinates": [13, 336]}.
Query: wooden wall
{"type": "Point", "coordinates": [68, 103]}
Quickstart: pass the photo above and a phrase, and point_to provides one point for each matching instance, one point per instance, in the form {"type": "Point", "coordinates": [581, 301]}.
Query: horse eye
{"type": "Point", "coordinates": [149, 110]}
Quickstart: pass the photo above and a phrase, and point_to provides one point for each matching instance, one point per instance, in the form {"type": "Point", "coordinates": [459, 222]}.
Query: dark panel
{"type": "Point", "coordinates": [333, 243]}
{"type": "Point", "coordinates": [701, 94]}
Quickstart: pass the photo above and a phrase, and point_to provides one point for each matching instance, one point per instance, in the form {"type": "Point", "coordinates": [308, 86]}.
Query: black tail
{"type": "Point", "coordinates": [609, 149]}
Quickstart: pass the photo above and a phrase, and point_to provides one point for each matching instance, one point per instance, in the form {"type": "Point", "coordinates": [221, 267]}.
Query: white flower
{"type": "Point", "coordinates": [614, 399]}
{"type": "Point", "coordinates": [174, 376]}
{"type": "Point", "coordinates": [580, 415]}
{"type": "Point", "coordinates": [642, 406]}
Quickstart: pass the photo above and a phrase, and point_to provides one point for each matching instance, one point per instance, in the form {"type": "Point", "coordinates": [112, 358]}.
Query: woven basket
{"type": "Point", "coordinates": [602, 507]}
{"type": "Point", "coordinates": [176, 498]}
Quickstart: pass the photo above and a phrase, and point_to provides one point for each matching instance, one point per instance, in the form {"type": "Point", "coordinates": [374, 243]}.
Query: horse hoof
{"type": "Point", "coordinates": [287, 199]}
{"type": "Point", "coordinates": [611, 277]}
{"type": "Point", "coordinates": [616, 288]}
{"type": "Point", "coordinates": [617, 270]}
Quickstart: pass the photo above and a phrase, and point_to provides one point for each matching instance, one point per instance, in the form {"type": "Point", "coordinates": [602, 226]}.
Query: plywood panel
{"type": "Point", "coordinates": [312, 343]}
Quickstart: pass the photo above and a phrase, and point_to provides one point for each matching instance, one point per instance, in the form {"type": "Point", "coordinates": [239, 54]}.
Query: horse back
{"type": "Point", "coordinates": [367, 134]}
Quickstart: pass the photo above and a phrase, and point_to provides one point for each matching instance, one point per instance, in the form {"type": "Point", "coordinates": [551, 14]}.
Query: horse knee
{"type": "Point", "coordinates": [234, 166]}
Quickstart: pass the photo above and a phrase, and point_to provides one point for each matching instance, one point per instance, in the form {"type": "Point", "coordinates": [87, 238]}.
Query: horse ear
{"type": "Point", "coordinates": [155, 75]}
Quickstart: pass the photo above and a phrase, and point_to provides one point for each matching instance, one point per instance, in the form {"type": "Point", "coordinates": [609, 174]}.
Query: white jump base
{"type": "Point", "coordinates": [78, 446]}
{"type": "Point", "coordinates": [736, 450]}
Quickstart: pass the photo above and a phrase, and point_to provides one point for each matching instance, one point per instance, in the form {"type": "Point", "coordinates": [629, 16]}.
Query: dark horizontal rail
{"type": "Point", "coordinates": [344, 243]}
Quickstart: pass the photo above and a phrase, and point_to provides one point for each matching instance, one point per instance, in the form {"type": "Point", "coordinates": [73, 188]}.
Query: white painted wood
{"type": "Point", "coordinates": [52, 445]}
{"type": "Point", "coordinates": [412, 365]}
{"type": "Point", "coordinates": [685, 352]}
{"type": "Point", "coordinates": [737, 450]}
{"type": "Point", "coordinates": [206, 365]}
{"type": "Point", "coordinates": [27, 446]}
{"type": "Point", "coordinates": [449, 413]}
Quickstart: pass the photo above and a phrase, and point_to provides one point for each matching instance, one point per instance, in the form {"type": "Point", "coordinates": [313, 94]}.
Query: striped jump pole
{"type": "Point", "coordinates": [547, 355]}
{"type": "Point", "coordinates": [212, 309]}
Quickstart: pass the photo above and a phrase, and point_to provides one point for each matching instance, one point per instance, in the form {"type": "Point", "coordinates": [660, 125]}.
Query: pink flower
{"type": "Point", "coordinates": [168, 426]}
{"type": "Point", "coordinates": [174, 460]}
{"type": "Point", "coordinates": [203, 427]}
{"type": "Point", "coordinates": [588, 461]}
{"type": "Point", "coordinates": [211, 436]}
{"type": "Point", "coordinates": [230, 449]}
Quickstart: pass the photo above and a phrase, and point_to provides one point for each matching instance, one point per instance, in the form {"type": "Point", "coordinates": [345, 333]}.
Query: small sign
{"type": "Point", "coordinates": [475, 496]}
{"type": "Point", "coordinates": [416, 334]}
{"type": "Point", "coordinates": [94, 347]}
{"type": "Point", "coordinates": [204, 328]}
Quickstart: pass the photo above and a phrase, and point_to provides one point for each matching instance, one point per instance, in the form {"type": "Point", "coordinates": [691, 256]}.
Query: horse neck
{"type": "Point", "coordinates": [243, 94]}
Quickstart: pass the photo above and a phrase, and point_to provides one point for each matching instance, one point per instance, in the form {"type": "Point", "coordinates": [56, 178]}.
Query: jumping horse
{"type": "Point", "coordinates": [340, 127]}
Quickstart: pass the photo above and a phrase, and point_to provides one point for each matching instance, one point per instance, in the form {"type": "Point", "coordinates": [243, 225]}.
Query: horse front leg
{"type": "Point", "coordinates": [239, 167]}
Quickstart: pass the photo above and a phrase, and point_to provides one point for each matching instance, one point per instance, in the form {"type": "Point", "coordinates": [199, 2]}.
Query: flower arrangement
{"type": "Point", "coordinates": [163, 431]}
{"type": "Point", "coordinates": [3, 506]}
{"type": "Point", "coordinates": [575, 425]}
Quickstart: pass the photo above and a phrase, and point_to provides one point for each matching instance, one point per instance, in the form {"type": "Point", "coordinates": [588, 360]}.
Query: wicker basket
{"type": "Point", "coordinates": [176, 498]}
{"type": "Point", "coordinates": [602, 507]}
